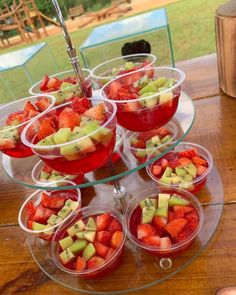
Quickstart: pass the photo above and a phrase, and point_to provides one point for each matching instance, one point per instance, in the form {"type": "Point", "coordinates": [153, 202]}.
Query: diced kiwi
{"type": "Point", "coordinates": [129, 65]}
{"type": "Point", "coordinates": [165, 97]}
{"type": "Point", "coordinates": [49, 140]}
{"type": "Point", "coordinates": [176, 179]}
{"type": "Point", "coordinates": [38, 226]}
{"type": "Point", "coordinates": [162, 212]}
{"type": "Point", "coordinates": [9, 134]}
{"type": "Point", "coordinates": [66, 242]}
{"type": "Point", "coordinates": [54, 219]}
{"type": "Point", "coordinates": [66, 256]}
{"type": "Point", "coordinates": [187, 177]}
{"type": "Point", "coordinates": [71, 204]}
{"type": "Point", "coordinates": [88, 252]}
{"type": "Point", "coordinates": [169, 83]}
{"type": "Point", "coordinates": [44, 175]}
{"type": "Point", "coordinates": [148, 202]}
{"type": "Point", "coordinates": [141, 153]}
{"type": "Point", "coordinates": [90, 236]}
{"type": "Point", "coordinates": [150, 87]}
{"type": "Point", "coordinates": [160, 81]}
{"type": "Point", "coordinates": [78, 246]}
{"type": "Point", "coordinates": [77, 227]}
{"type": "Point", "coordinates": [148, 213]}
{"type": "Point", "coordinates": [163, 200]}
{"type": "Point", "coordinates": [64, 212]}
{"type": "Point", "coordinates": [90, 127]}
{"type": "Point", "coordinates": [167, 172]}
{"type": "Point", "coordinates": [191, 169]}
{"type": "Point", "coordinates": [62, 135]}
{"type": "Point", "coordinates": [177, 200]}
{"type": "Point", "coordinates": [166, 139]}
{"type": "Point", "coordinates": [180, 171]}
{"type": "Point", "coordinates": [165, 179]}
{"type": "Point", "coordinates": [134, 140]}
{"type": "Point", "coordinates": [150, 101]}
{"type": "Point", "coordinates": [91, 224]}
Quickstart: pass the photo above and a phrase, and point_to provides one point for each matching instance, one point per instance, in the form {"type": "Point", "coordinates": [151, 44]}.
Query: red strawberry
{"type": "Point", "coordinates": [15, 117]}
{"type": "Point", "coordinates": [104, 237]}
{"type": "Point", "coordinates": [30, 222]}
{"type": "Point", "coordinates": [192, 219]}
{"type": "Point", "coordinates": [29, 107]}
{"type": "Point", "coordinates": [116, 239]}
{"type": "Point", "coordinates": [39, 215]}
{"type": "Point", "coordinates": [188, 153]}
{"type": "Point", "coordinates": [30, 208]}
{"type": "Point", "coordinates": [183, 234]}
{"type": "Point", "coordinates": [145, 230]}
{"type": "Point", "coordinates": [47, 169]}
{"type": "Point", "coordinates": [184, 161]}
{"type": "Point", "coordinates": [201, 169]}
{"type": "Point", "coordinates": [101, 249]}
{"type": "Point", "coordinates": [159, 222]}
{"type": "Point", "coordinates": [97, 112]}
{"type": "Point", "coordinates": [114, 226]}
{"type": "Point", "coordinates": [70, 80]}
{"type": "Point", "coordinates": [52, 202]}
{"type": "Point", "coordinates": [152, 241]}
{"type": "Point", "coordinates": [180, 211]}
{"type": "Point", "coordinates": [68, 119]}
{"type": "Point", "coordinates": [42, 104]}
{"type": "Point", "coordinates": [43, 85]}
{"type": "Point", "coordinates": [110, 252]}
{"type": "Point", "coordinates": [103, 221]}
{"type": "Point", "coordinates": [113, 91]}
{"type": "Point", "coordinates": [80, 105]}
{"type": "Point", "coordinates": [80, 263]}
{"type": "Point", "coordinates": [164, 163]}
{"type": "Point", "coordinates": [199, 161]}
{"type": "Point", "coordinates": [32, 114]}
{"type": "Point", "coordinates": [139, 144]}
{"type": "Point", "coordinates": [163, 132]}
{"type": "Point", "coordinates": [46, 128]}
{"type": "Point", "coordinates": [175, 226]}
{"type": "Point", "coordinates": [54, 83]}
{"type": "Point", "coordinates": [165, 242]}
{"type": "Point", "coordinates": [156, 170]}
{"type": "Point", "coordinates": [95, 262]}
{"type": "Point", "coordinates": [131, 106]}
{"type": "Point", "coordinates": [171, 216]}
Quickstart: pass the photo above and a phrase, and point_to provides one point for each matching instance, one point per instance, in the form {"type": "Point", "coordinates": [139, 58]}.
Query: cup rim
{"type": "Point", "coordinates": [46, 147]}
{"type": "Point", "coordinates": [194, 181]}
{"type": "Point", "coordinates": [177, 84]}
{"type": "Point", "coordinates": [96, 210]}
{"type": "Point", "coordinates": [93, 75]}
{"type": "Point", "coordinates": [174, 246]}
{"type": "Point", "coordinates": [38, 232]}
{"type": "Point", "coordinates": [52, 103]}
{"type": "Point", "coordinates": [55, 75]}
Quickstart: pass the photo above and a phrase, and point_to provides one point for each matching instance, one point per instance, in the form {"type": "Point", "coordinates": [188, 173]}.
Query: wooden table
{"type": "Point", "coordinates": [215, 128]}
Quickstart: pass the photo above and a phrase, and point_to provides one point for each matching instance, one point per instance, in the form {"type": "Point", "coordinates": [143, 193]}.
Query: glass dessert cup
{"type": "Point", "coordinates": [143, 108]}
{"type": "Point", "coordinates": [66, 91]}
{"type": "Point", "coordinates": [113, 68]}
{"type": "Point", "coordinates": [46, 176]}
{"type": "Point", "coordinates": [192, 184]}
{"type": "Point", "coordinates": [119, 146]}
{"type": "Point", "coordinates": [153, 142]}
{"type": "Point", "coordinates": [44, 211]}
{"type": "Point", "coordinates": [83, 154]}
{"type": "Point", "coordinates": [102, 246]}
{"type": "Point", "coordinates": [15, 116]}
{"type": "Point", "coordinates": [133, 216]}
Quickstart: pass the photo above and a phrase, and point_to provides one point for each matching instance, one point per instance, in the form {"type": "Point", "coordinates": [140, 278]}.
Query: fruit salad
{"type": "Point", "coordinates": [154, 142]}
{"type": "Point", "coordinates": [14, 117]}
{"type": "Point", "coordinates": [145, 100]}
{"type": "Point", "coordinates": [186, 167]}
{"type": "Point", "coordinates": [76, 137]}
{"type": "Point", "coordinates": [45, 210]}
{"type": "Point", "coordinates": [91, 243]}
{"type": "Point", "coordinates": [111, 69]}
{"type": "Point", "coordinates": [63, 86]}
{"type": "Point", "coordinates": [165, 223]}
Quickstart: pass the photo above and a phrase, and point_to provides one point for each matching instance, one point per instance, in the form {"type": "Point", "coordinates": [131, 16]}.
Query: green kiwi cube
{"type": "Point", "coordinates": [91, 224]}
{"type": "Point", "coordinates": [64, 212]}
{"type": "Point", "coordinates": [148, 213]}
{"type": "Point", "coordinates": [66, 256]}
{"type": "Point", "coordinates": [177, 200]}
{"type": "Point", "coordinates": [78, 246]}
{"type": "Point", "coordinates": [66, 242]}
{"type": "Point", "coordinates": [88, 252]}
{"type": "Point", "coordinates": [54, 219]}
{"type": "Point", "coordinates": [62, 135]}
{"type": "Point", "coordinates": [77, 227]}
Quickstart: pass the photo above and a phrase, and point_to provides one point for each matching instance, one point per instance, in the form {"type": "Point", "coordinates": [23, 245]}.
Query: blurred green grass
{"type": "Point", "coordinates": [192, 30]}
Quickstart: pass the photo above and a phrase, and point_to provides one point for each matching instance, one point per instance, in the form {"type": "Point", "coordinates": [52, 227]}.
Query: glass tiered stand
{"type": "Point", "coordinates": [138, 269]}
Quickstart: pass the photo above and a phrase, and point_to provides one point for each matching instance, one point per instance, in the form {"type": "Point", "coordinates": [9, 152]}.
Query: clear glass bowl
{"type": "Point", "coordinates": [141, 154]}
{"type": "Point", "coordinates": [111, 263]}
{"type": "Point", "coordinates": [113, 68]}
{"type": "Point", "coordinates": [144, 113]}
{"type": "Point", "coordinates": [177, 248]}
{"type": "Point", "coordinates": [83, 162]}
{"type": "Point", "coordinates": [35, 198]}
{"type": "Point", "coordinates": [197, 183]}
{"type": "Point", "coordinates": [69, 92]}
{"type": "Point", "coordinates": [19, 150]}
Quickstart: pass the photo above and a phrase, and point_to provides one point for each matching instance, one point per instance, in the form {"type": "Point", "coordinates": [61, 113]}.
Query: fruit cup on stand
{"type": "Point", "coordinates": [90, 244]}
{"type": "Point", "coordinates": [187, 167]}
{"type": "Point", "coordinates": [113, 68]}
{"type": "Point", "coordinates": [63, 86]}
{"type": "Point", "coordinates": [44, 211]}
{"type": "Point", "coordinates": [164, 223]}
{"type": "Point", "coordinates": [153, 142]}
{"type": "Point", "coordinates": [145, 99]}
{"type": "Point", "coordinates": [76, 137]}
{"type": "Point", "coordinates": [14, 117]}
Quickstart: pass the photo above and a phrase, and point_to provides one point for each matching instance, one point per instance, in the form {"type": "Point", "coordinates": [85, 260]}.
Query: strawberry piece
{"type": "Point", "coordinates": [42, 104]}
{"type": "Point", "coordinates": [81, 105]}
{"type": "Point", "coordinates": [113, 91]}
{"type": "Point", "coordinates": [201, 169]}
{"type": "Point", "coordinates": [43, 85]}
{"type": "Point", "coordinates": [171, 216]}
{"type": "Point", "coordinates": [140, 144]}
{"type": "Point", "coordinates": [30, 208]}
{"type": "Point", "coordinates": [156, 170]}
{"type": "Point", "coordinates": [184, 161]}
{"type": "Point", "coordinates": [175, 226]}
{"type": "Point", "coordinates": [103, 221]}
{"type": "Point", "coordinates": [131, 106]}
{"type": "Point", "coordinates": [52, 202]}
{"type": "Point", "coordinates": [145, 230]}
{"type": "Point", "coordinates": [29, 107]}
{"type": "Point", "coordinates": [101, 249]}
{"type": "Point", "coordinates": [68, 119]}
{"type": "Point", "coordinates": [42, 214]}
{"type": "Point", "coordinates": [104, 237]}
{"type": "Point", "coordinates": [94, 262]}
{"type": "Point", "coordinates": [30, 222]}
{"type": "Point", "coordinates": [46, 128]}
{"type": "Point", "coordinates": [183, 234]}
{"type": "Point", "coordinates": [80, 263]}
{"type": "Point", "coordinates": [188, 153]}
{"type": "Point", "coordinates": [15, 117]}
{"type": "Point", "coordinates": [114, 226]}
{"type": "Point", "coordinates": [192, 219]}
{"type": "Point", "coordinates": [199, 161]}
{"type": "Point", "coordinates": [116, 239]}
{"type": "Point", "coordinates": [165, 243]}
{"type": "Point", "coordinates": [70, 80]}
{"type": "Point", "coordinates": [47, 169]}
{"type": "Point", "coordinates": [97, 112]}
{"type": "Point", "coordinates": [181, 210]}
{"type": "Point", "coordinates": [159, 222]}
{"type": "Point", "coordinates": [54, 83]}
{"type": "Point", "coordinates": [162, 132]}
{"type": "Point", "coordinates": [152, 240]}
{"type": "Point", "coordinates": [164, 163]}
{"type": "Point", "coordinates": [110, 252]}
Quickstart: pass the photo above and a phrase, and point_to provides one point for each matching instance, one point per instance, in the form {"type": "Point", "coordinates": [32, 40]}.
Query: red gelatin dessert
{"type": "Point", "coordinates": [76, 137]}
{"type": "Point", "coordinates": [90, 244]}
{"type": "Point", "coordinates": [14, 117]}
{"type": "Point", "coordinates": [186, 167]}
{"type": "Point", "coordinates": [164, 224]}
{"type": "Point", "coordinates": [146, 99]}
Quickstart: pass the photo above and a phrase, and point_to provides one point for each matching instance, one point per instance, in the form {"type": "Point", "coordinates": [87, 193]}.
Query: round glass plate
{"type": "Point", "coordinates": [138, 269]}
{"type": "Point", "coordinates": [20, 170]}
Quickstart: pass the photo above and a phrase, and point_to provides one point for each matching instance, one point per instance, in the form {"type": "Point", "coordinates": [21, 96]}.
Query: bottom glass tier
{"type": "Point", "coordinates": [138, 269]}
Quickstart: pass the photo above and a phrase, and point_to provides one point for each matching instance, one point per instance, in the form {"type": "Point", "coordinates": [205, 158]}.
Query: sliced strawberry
{"type": "Point", "coordinates": [180, 211]}
{"type": "Point", "coordinates": [97, 112]}
{"type": "Point", "coordinates": [30, 208]}
{"type": "Point", "coordinates": [171, 216]}
{"type": "Point", "coordinates": [30, 222]}
{"type": "Point", "coordinates": [145, 230]}
{"type": "Point", "coordinates": [156, 170]}
{"type": "Point", "coordinates": [188, 153]}
{"type": "Point", "coordinates": [68, 119]}
{"type": "Point", "coordinates": [95, 262]}
{"type": "Point", "coordinates": [33, 114]}
{"type": "Point", "coordinates": [39, 214]}
{"type": "Point", "coordinates": [114, 226]}
{"type": "Point", "coordinates": [80, 263]}
{"type": "Point", "coordinates": [16, 117]}
{"type": "Point", "coordinates": [52, 202]}
{"type": "Point", "coordinates": [159, 222]}
{"type": "Point", "coordinates": [192, 219]}
{"type": "Point", "coordinates": [46, 128]}
{"type": "Point", "coordinates": [140, 144]}
{"type": "Point", "coordinates": [131, 106]}
{"type": "Point", "coordinates": [104, 237]}
{"type": "Point", "coordinates": [201, 169]}
{"type": "Point", "coordinates": [101, 249]}
{"type": "Point", "coordinates": [183, 234]}
{"type": "Point", "coordinates": [43, 85]}
{"type": "Point", "coordinates": [199, 161]}
{"type": "Point", "coordinates": [113, 91]}
{"type": "Point", "coordinates": [116, 239]}
{"type": "Point", "coordinates": [152, 240]}
{"type": "Point", "coordinates": [29, 107]}
{"type": "Point", "coordinates": [54, 83]}
{"type": "Point", "coordinates": [165, 243]}
{"type": "Point", "coordinates": [42, 104]}
{"type": "Point", "coordinates": [164, 163]}
{"type": "Point", "coordinates": [70, 80]}
{"type": "Point", "coordinates": [80, 105]}
{"type": "Point", "coordinates": [184, 161]}
{"type": "Point", "coordinates": [103, 221]}
{"type": "Point", "coordinates": [175, 226]}
{"type": "Point", "coordinates": [110, 252]}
